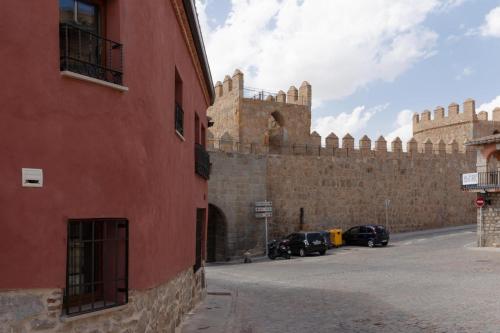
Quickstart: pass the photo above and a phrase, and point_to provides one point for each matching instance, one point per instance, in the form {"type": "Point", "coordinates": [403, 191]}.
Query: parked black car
{"type": "Point", "coordinates": [303, 243]}
{"type": "Point", "coordinates": [369, 235]}
{"type": "Point", "coordinates": [326, 236]}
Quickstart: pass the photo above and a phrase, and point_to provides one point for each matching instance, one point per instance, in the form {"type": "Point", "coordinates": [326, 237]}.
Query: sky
{"type": "Point", "coordinates": [372, 63]}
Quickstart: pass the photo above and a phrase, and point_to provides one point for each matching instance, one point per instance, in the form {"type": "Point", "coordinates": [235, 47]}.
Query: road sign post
{"type": "Point", "coordinates": [264, 209]}
{"type": "Point", "coordinates": [480, 204]}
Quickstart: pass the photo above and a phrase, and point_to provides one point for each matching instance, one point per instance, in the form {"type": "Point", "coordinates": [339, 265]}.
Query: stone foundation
{"type": "Point", "coordinates": [159, 309]}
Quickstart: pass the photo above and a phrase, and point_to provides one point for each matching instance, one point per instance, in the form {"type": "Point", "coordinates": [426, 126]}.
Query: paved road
{"type": "Point", "coordinates": [424, 283]}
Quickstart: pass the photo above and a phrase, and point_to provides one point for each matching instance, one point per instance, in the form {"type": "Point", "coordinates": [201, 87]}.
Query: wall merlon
{"type": "Point", "coordinates": [305, 93]}
{"type": "Point", "coordinates": [365, 143]}
{"type": "Point", "coordinates": [416, 119]}
{"type": "Point", "coordinates": [453, 109]}
{"type": "Point", "coordinates": [381, 144]}
{"type": "Point", "coordinates": [428, 146]}
{"type": "Point", "coordinates": [397, 145]}
{"type": "Point", "coordinates": [218, 89]}
{"type": "Point", "coordinates": [227, 85]}
{"type": "Point", "coordinates": [332, 141]}
{"type": "Point", "coordinates": [315, 139]}
{"type": "Point", "coordinates": [441, 147]}
{"type": "Point", "coordinates": [483, 115]}
{"type": "Point", "coordinates": [439, 113]}
{"type": "Point", "coordinates": [496, 114]}
{"type": "Point", "coordinates": [470, 107]}
{"type": "Point", "coordinates": [412, 146]}
{"type": "Point", "coordinates": [348, 141]}
{"type": "Point", "coordinates": [425, 116]}
{"type": "Point", "coordinates": [292, 95]}
{"type": "Point", "coordinates": [281, 97]}
{"type": "Point", "coordinates": [453, 147]}
{"type": "Point", "coordinates": [238, 80]}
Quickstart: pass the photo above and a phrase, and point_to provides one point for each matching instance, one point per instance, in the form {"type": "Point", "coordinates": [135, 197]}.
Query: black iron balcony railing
{"type": "Point", "coordinates": [480, 181]}
{"type": "Point", "coordinates": [202, 161]}
{"type": "Point", "coordinates": [88, 54]}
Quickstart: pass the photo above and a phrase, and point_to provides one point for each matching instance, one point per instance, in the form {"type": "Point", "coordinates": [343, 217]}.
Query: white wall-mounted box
{"type": "Point", "coordinates": [32, 177]}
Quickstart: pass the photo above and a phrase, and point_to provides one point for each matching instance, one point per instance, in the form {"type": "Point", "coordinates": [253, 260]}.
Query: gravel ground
{"type": "Point", "coordinates": [420, 283]}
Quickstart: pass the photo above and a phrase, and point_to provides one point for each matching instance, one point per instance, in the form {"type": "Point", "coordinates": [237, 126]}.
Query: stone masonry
{"type": "Point", "coordinates": [491, 222]}
{"type": "Point", "coordinates": [159, 309]}
{"type": "Point", "coordinates": [339, 190]}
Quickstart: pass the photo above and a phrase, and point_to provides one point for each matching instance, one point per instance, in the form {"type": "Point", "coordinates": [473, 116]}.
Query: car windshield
{"type": "Point", "coordinates": [380, 230]}
{"type": "Point", "coordinates": [313, 237]}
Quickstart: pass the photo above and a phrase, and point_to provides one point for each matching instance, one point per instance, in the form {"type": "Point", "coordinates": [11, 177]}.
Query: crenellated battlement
{"type": "Point", "coordinates": [459, 125]}
{"type": "Point", "coordinates": [234, 86]}
{"type": "Point", "coordinates": [346, 147]}
{"type": "Point", "coordinates": [425, 120]}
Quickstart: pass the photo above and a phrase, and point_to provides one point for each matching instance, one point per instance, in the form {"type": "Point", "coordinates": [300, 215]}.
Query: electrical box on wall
{"type": "Point", "coordinates": [32, 177]}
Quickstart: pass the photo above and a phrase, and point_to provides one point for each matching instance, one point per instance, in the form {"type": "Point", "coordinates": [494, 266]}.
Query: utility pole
{"type": "Point", "coordinates": [387, 203]}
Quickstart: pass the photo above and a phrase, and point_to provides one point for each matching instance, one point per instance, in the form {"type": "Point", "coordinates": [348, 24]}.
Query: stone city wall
{"type": "Point", "coordinates": [339, 187]}
{"type": "Point", "coordinates": [236, 182]}
{"type": "Point", "coordinates": [159, 309]}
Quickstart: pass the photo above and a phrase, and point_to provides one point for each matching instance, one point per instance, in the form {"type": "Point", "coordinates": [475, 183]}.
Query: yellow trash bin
{"type": "Point", "coordinates": [336, 237]}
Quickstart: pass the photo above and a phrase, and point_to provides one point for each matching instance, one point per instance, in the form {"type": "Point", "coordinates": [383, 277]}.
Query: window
{"type": "Point", "coordinates": [97, 265]}
{"type": "Point", "coordinates": [179, 113]}
{"type": "Point", "coordinates": [203, 136]}
{"type": "Point", "coordinates": [200, 222]}
{"type": "Point", "coordinates": [83, 47]}
{"type": "Point", "coordinates": [196, 129]}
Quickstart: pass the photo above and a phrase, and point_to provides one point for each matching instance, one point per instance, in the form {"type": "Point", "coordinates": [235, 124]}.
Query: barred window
{"type": "Point", "coordinates": [179, 112]}
{"type": "Point", "coordinates": [97, 265]}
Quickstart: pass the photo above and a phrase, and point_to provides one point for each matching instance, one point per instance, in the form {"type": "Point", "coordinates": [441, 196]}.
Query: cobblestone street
{"type": "Point", "coordinates": [432, 282]}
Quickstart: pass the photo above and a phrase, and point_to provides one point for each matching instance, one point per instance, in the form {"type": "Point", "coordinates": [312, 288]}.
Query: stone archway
{"type": "Point", "coordinates": [276, 131]}
{"type": "Point", "coordinates": [216, 234]}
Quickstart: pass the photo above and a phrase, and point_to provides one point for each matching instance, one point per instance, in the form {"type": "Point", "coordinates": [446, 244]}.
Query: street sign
{"type": "Point", "coordinates": [470, 178]}
{"type": "Point", "coordinates": [263, 209]}
{"type": "Point", "coordinates": [263, 215]}
{"type": "Point", "coordinates": [480, 202]}
{"type": "Point", "coordinates": [263, 203]}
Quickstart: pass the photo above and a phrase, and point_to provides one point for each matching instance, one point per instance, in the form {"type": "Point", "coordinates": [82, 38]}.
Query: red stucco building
{"type": "Point", "coordinates": [104, 172]}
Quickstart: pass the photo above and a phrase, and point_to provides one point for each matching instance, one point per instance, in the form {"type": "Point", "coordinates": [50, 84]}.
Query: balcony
{"type": "Point", "coordinates": [201, 161]}
{"type": "Point", "coordinates": [481, 181]}
{"type": "Point", "coordinates": [90, 55]}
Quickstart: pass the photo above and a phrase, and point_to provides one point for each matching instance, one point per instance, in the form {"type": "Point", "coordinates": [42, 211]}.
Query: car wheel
{"type": "Point", "coordinates": [385, 244]}
{"type": "Point", "coordinates": [302, 252]}
{"type": "Point", "coordinates": [371, 243]}
{"type": "Point", "coordinates": [286, 256]}
{"type": "Point", "coordinates": [322, 252]}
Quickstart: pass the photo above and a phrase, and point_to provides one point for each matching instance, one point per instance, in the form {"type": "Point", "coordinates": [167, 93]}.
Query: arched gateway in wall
{"type": "Point", "coordinates": [216, 234]}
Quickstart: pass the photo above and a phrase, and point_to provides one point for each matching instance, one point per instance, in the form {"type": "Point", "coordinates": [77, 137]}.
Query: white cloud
{"type": "Point", "coordinates": [354, 122]}
{"type": "Point", "coordinates": [467, 71]}
{"type": "Point", "coordinates": [491, 25]}
{"type": "Point", "coordinates": [403, 127]}
{"type": "Point", "coordinates": [338, 46]}
{"type": "Point", "coordinates": [490, 106]}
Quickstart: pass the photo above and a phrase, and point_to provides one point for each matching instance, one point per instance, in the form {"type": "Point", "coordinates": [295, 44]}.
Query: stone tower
{"type": "Point", "coordinates": [250, 116]}
{"type": "Point", "coordinates": [454, 126]}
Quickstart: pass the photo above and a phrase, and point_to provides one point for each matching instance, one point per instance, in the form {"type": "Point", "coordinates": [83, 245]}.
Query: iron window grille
{"type": "Point", "coordinates": [97, 265]}
{"type": "Point", "coordinates": [179, 119]}
{"type": "Point", "coordinates": [89, 54]}
{"type": "Point", "coordinates": [201, 161]}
